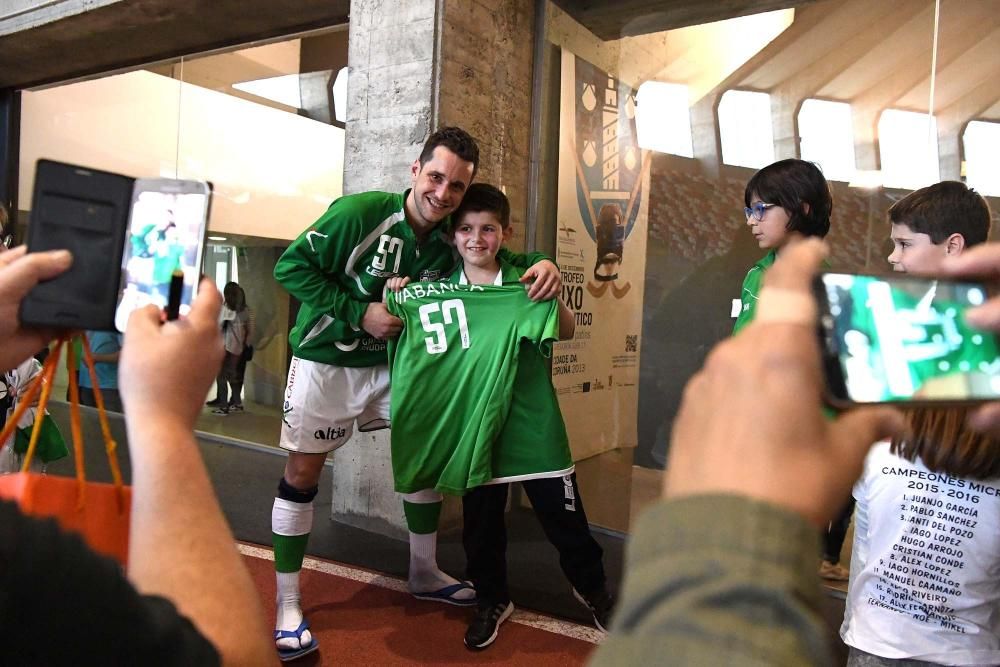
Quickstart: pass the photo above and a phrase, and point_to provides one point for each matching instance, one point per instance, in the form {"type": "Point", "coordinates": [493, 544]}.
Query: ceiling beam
{"type": "Point", "coordinates": [612, 19]}
{"type": "Point", "coordinates": [132, 33]}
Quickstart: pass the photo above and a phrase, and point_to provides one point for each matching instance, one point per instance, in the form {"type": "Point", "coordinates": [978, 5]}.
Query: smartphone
{"type": "Point", "coordinates": [85, 211]}
{"type": "Point", "coordinates": [163, 245]}
{"type": "Point", "coordinates": [904, 339]}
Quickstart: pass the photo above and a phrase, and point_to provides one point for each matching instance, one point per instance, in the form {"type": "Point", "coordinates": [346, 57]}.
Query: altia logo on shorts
{"type": "Point", "coordinates": [330, 433]}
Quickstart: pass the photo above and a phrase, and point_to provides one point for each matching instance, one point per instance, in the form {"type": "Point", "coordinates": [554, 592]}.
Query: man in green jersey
{"type": "Point", "coordinates": [338, 378]}
{"type": "Point", "coordinates": [497, 418]}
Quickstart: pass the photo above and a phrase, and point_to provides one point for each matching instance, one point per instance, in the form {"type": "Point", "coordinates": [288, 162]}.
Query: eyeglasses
{"type": "Point", "coordinates": [758, 210]}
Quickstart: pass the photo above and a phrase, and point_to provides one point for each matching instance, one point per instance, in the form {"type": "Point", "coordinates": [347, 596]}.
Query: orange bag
{"type": "Point", "coordinates": [99, 512]}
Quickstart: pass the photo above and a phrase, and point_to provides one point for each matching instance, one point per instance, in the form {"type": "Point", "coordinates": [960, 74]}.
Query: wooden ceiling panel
{"type": "Point", "coordinates": [977, 65]}
{"type": "Point", "coordinates": [907, 47]}
{"type": "Point", "coordinates": [831, 37]}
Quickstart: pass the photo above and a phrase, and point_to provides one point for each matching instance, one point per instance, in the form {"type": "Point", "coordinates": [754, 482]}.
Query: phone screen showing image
{"type": "Point", "coordinates": [905, 339]}
{"type": "Point", "coordinates": [165, 237]}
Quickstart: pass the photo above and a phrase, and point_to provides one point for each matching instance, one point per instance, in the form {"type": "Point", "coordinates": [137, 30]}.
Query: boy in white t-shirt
{"type": "Point", "coordinates": [925, 566]}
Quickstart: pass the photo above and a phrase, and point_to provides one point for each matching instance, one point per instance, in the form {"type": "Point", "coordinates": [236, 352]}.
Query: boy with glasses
{"type": "Point", "coordinates": [784, 197]}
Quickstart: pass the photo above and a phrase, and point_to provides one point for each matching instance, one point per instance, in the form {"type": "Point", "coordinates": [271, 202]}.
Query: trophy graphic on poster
{"type": "Point", "coordinates": [609, 176]}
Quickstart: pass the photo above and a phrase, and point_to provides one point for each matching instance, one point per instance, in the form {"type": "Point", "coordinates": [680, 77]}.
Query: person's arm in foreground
{"type": "Point", "coordinates": [180, 545]}
{"type": "Point", "coordinates": [723, 572]}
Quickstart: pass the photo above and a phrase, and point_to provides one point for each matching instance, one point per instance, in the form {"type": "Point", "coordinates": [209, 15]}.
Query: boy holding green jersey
{"type": "Point", "coordinates": [500, 410]}
{"type": "Point", "coordinates": [338, 379]}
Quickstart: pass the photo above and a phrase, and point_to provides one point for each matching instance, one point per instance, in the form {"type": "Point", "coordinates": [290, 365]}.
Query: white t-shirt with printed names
{"type": "Point", "coordinates": [925, 568]}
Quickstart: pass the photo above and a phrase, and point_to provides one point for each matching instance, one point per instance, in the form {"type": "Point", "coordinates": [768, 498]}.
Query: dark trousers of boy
{"type": "Point", "coordinates": [557, 504]}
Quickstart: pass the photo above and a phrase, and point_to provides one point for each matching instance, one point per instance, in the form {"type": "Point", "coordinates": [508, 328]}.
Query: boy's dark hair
{"type": "Point", "coordinates": [455, 139]}
{"type": "Point", "coordinates": [483, 197]}
{"type": "Point", "coordinates": [943, 209]}
{"type": "Point", "coordinates": [790, 184]}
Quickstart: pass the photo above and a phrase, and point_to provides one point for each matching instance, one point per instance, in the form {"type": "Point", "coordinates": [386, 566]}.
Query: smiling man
{"type": "Point", "coordinates": [339, 379]}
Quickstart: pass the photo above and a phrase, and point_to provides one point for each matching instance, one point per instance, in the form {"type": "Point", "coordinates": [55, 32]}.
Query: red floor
{"type": "Point", "coordinates": [363, 624]}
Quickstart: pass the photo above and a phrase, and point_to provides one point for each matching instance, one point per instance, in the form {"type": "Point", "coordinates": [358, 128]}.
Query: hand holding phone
{"type": "Point", "coordinates": [904, 339]}
{"type": "Point", "coordinates": [163, 249]}
{"type": "Point", "coordinates": [86, 212]}
{"type": "Point", "coordinates": [128, 239]}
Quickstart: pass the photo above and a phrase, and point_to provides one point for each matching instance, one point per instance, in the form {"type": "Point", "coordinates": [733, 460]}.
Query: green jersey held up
{"type": "Point", "coordinates": [453, 370]}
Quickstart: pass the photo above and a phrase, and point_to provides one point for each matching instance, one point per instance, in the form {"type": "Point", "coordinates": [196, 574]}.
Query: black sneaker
{"type": "Point", "coordinates": [600, 603]}
{"type": "Point", "coordinates": [483, 630]}
{"type": "Point", "coordinates": [214, 403]}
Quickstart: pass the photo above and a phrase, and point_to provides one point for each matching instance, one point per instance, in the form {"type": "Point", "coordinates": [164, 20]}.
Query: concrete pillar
{"type": "Point", "coordinates": [390, 91]}
{"type": "Point", "coordinates": [864, 121]}
{"type": "Point", "coordinates": [784, 109]}
{"type": "Point", "coordinates": [950, 153]}
{"type": "Point", "coordinates": [490, 95]}
{"type": "Point", "coordinates": [415, 66]}
{"type": "Point", "coordinates": [706, 142]}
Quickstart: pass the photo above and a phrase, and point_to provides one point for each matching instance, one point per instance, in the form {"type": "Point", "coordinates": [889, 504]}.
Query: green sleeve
{"type": "Point", "coordinates": [309, 267]}
{"type": "Point", "coordinates": [540, 325]}
{"type": "Point", "coordinates": [524, 261]}
{"type": "Point", "coordinates": [748, 298]}
{"type": "Point", "coordinates": [719, 580]}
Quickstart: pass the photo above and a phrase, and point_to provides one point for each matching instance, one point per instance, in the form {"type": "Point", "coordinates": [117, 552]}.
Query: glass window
{"type": "Point", "coordinates": [827, 138]}
{"type": "Point", "coordinates": [981, 142]}
{"type": "Point", "coordinates": [908, 149]}
{"type": "Point", "coordinates": [745, 129]}
{"type": "Point", "coordinates": [663, 118]}
{"type": "Point", "coordinates": [228, 118]}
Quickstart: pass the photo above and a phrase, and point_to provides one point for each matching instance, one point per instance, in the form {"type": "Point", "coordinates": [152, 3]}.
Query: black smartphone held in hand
{"type": "Point", "coordinates": [84, 211]}
{"type": "Point", "coordinates": [162, 257]}
{"type": "Point", "coordinates": [901, 338]}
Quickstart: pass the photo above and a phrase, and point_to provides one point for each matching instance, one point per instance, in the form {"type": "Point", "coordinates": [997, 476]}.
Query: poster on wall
{"type": "Point", "coordinates": [601, 250]}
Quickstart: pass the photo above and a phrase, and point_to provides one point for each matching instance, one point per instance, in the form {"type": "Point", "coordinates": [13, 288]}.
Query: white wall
{"type": "Point", "coordinates": [274, 172]}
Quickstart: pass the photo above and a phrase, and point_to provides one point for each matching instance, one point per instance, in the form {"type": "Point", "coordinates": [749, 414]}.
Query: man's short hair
{"type": "Point", "coordinates": [483, 197]}
{"type": "Point", "coordinates": [455, 139]}
{"type": "Point", "coordinates": [790, 184]}
{"type": "Point", "coordinates": [943, 209]}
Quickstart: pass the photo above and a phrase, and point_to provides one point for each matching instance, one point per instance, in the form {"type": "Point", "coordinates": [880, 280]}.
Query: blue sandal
{"type": "Point", "coordinates": [446, 595]}
{"type": "Point", "coordinates": [286, 654]}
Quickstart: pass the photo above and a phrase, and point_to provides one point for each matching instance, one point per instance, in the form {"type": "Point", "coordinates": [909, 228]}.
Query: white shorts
{"type": "Point", "coordinates": [323, 402]}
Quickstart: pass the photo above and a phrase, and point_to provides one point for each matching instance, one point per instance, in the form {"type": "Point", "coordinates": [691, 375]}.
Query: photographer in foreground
{"type": "Point", "coordinates": [723, 569]}
{"type": "Point", "coordinates": [187, 598]}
